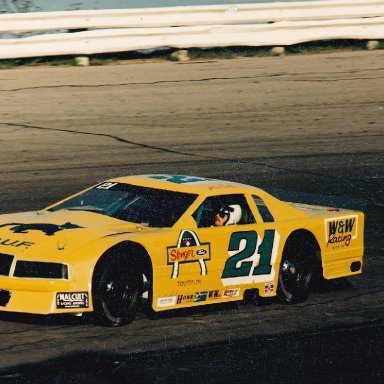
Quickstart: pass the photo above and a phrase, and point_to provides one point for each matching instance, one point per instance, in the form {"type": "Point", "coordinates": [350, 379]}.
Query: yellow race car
{"type": "Point", "coordinates": [178, 241]}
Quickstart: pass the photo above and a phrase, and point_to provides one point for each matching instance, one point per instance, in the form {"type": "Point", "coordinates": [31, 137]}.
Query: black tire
{"type": "Point", "coordinates": [296, 273]}
{"type": "Point", "coordinates": [117, 293]}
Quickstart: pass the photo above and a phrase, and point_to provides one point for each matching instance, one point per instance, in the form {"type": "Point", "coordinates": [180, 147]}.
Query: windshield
{"type": "Point", "coordinates": [142, 205]}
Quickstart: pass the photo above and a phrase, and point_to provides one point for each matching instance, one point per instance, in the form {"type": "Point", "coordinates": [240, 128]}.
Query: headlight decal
{"type": "Point", "coordinates": [5, 264]}
{"type": "Point", "coordinates": [41, 270]}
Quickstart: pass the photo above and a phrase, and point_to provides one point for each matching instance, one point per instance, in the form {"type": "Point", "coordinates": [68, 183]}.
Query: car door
{"type": "Point", "coordinates": [243, 255]}
{"type": "Point", "coordinates": [218, 263]}
{"type": "Point", "coordinates": [199, 256]}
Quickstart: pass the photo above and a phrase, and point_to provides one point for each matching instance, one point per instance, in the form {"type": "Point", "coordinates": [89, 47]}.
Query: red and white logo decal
{"type": "Point", "coordinates": [231, 292]}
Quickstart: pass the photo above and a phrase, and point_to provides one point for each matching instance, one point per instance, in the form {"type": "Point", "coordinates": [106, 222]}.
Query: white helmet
{"type": "Point", "coordinates": [234, 213]}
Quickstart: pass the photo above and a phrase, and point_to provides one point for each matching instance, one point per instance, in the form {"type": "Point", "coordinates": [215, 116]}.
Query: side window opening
{"type": "Point", "coordinates": [265, 213]}
{"type": "Point", "coordinates": [205, 214]}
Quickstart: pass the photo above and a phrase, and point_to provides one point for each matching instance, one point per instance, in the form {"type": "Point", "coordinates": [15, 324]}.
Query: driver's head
{"type": "Point", "coordinates": [228, 215]}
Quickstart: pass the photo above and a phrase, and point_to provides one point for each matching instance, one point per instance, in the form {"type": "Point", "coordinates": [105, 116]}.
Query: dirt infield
{"type": "Point", "coordinates": [310, 128]}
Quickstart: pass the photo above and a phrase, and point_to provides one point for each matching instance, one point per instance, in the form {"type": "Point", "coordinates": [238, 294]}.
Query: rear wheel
{"type": "Point", "coordinates": [296, 272]}
{"type": "Point", "coordinates": [117, 293]}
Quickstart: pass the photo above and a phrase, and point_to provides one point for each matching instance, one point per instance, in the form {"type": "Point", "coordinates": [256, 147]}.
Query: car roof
{"type": "Point", "coordinates": [187, 184]}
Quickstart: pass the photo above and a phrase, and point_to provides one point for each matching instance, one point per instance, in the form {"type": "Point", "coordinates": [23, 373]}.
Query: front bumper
{"type": "Point", "coordinates": [42, 296]}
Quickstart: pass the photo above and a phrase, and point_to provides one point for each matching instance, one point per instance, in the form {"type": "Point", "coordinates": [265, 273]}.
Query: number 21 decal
{"type": "Point", "coordinates": [251, 259]}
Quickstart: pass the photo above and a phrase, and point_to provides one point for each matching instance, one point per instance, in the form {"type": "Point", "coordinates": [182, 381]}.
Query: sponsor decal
{"type": "Point", "coordinates": [213, 294]}
{"type": "Point", "coordinates": [340, 231]}
{"type": "Point", "coordinates": [186, 254]}
{"type": "Point", "coordinates": [48, 229]}
{"type": "Point", "coordinates": [198, 297]}
{"type": "Point", "coordinates": [187, 241]}
{"type": "Point", "coordinates": [231, 292]}
{"type": "Point", "coordinates": [269, 288]}
{"type": "Point", "coordinates": [188, 249]}
{"type": "Point", "coordinates": [72, 300]}
{"type": "Point", "coordinates": [184, 298]}
{"type": "Point", "coordinates": [15, 243]}
{"type": "Point", "coordinates": [186, 283]}
{"type": "Point", "coordinates": [166, 301]}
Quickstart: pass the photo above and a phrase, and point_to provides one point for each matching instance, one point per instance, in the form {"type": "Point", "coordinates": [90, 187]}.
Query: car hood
{"type": "Point", "coordinates": [45, 232]}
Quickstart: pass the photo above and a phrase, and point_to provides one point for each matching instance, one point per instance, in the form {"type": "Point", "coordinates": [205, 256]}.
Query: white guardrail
{"type": "Point", "coordinates": [266, 24]}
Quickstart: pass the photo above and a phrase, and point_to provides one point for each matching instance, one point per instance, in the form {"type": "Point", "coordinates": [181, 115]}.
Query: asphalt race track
{"type": "Point", "coordinates": [308, 128]}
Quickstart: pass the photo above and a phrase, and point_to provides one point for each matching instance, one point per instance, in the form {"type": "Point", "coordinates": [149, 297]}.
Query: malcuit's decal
{"type": "Point", "coordinates": [269, 288]}
{"type": "Point", "coordinates": [48, 229]}
{"type": "Point", "coordinates": [66, 300]}
{"type": "Point", "coordinates": [166, 301]}
{"type": "Point", "coordinates": [231, 292]}
{"type": "Point", "coordinates": [340, 231]}
{"type": "Point", "coordinates": [188, 250]}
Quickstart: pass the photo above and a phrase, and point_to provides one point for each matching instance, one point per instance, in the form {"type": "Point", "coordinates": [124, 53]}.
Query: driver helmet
{"type": "Point", "coordinates": [234, 213]}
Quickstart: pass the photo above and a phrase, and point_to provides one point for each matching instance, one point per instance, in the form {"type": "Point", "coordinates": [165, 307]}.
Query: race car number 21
{"type": "Point", "coordinates": [251, 259]}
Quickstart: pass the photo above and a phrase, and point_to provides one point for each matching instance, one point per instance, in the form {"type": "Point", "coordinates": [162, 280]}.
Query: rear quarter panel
{"type": "Point", "coordinates": [340, 237]}
{"type": "Point", "coordinates": [342, 244]}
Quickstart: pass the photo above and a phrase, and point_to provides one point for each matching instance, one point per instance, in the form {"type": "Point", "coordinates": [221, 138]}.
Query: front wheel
{"type": "Point", "coordinates": [295, 276]}
{"type": "Point", "coordinates": [117, 294]}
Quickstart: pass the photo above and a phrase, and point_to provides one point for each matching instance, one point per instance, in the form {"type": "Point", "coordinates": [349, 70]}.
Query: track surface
{"type": "Point", "coordinates": [309, 128]}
